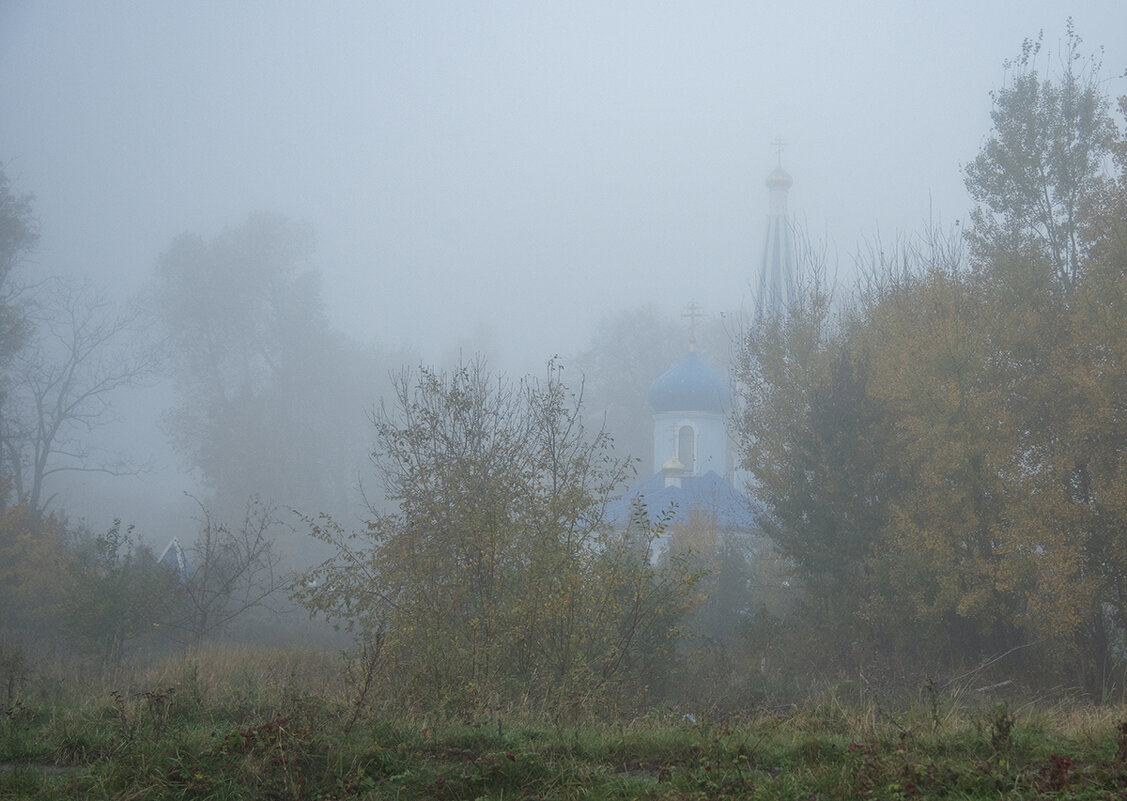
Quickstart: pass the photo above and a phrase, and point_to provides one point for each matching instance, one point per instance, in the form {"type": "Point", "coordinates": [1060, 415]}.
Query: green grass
{"type": "Point", "coordinates": [270, 725]}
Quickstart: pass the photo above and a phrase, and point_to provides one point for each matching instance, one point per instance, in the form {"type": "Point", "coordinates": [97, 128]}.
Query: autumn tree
{"type": "Point", "coordinates": [941, 459]}
{"type": "Point", "coordinates": [1041, 262]}
{"type": "Point", "coordinates": [986, 371]}
{"type": "Point", "coordinates": [494, 577]}
{"type": "Point", "coordinates": [811, 437]}
{"type": "Point", "coordinates": [1082, 474]}
{"type": "Point", "coordinates": [889, 445]}
{"type": "Point", "coordinates": [962, 565]}
{"type": "Point", "coordinates": [1050, 135]}
{"type": "Point", "coordinates": [34, 555]}
{"type": "Point", "coordinates": [116, 593]}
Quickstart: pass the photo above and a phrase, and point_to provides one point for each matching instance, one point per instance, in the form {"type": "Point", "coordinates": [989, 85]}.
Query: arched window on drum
{"type": "Point", "coordinates": [687, 448]}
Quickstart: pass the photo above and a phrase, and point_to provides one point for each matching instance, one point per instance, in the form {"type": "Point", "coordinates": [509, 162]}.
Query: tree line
{"type": "Point", "coordinates": [943, 454]}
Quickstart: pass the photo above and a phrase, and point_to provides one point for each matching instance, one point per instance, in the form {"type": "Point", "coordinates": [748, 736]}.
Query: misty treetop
{"type": "Point", "coordinates": [1051, 134]}
{"type": "Point", "coordinates": [271, 400]}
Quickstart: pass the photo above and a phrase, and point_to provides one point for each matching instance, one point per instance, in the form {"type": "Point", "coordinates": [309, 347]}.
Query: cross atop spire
{"type": "Point", "coordinates": [779, 143]}
{"type": "Point", "coordinates": [692, 313]}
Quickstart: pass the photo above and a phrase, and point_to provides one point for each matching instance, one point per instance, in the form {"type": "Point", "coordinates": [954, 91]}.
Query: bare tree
{"type": "Point", "coordinates": [229, 572]}
{"type": "Point", "coordinates": [83, 349]}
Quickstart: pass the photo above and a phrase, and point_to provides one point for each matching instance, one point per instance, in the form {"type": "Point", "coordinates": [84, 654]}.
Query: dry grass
{"type": "Point", "coordinates": [235, 722]}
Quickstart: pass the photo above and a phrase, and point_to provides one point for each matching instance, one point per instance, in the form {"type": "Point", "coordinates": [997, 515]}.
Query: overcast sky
{"type": "Point", "coordinates": [504, 174]}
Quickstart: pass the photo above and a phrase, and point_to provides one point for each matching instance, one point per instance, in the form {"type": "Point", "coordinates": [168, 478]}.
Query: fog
{"type": "Point", "coordinates": [501, 176]}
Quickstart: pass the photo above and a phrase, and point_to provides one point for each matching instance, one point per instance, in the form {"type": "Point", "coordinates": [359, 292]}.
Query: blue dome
{"type": "Point", "coordinates": [691, 386]}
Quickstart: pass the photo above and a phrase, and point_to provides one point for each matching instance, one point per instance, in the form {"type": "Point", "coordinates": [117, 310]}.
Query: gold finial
{"type": "Point", "coordinates": [692, 313]}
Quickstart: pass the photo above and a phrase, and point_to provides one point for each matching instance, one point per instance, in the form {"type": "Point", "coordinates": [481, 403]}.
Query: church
{"type": "Point", "coordinates": [694, 465]}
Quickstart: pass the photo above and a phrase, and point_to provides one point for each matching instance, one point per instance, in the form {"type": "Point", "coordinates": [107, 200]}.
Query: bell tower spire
{"type": "Point", "coordinates": [775, 287]}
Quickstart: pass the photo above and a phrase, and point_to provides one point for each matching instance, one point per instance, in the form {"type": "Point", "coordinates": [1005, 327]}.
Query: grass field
{"type": "Point", "coordinates": [288, 724]}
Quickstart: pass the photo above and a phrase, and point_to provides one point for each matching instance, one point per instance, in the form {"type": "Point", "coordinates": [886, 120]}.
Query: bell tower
{"type": "Point", "coordinates": [775, 287]}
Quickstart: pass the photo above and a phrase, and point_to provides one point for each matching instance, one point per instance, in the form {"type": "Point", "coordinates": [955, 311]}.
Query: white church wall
{"type": "Point", "coordinates": [711, 440]}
